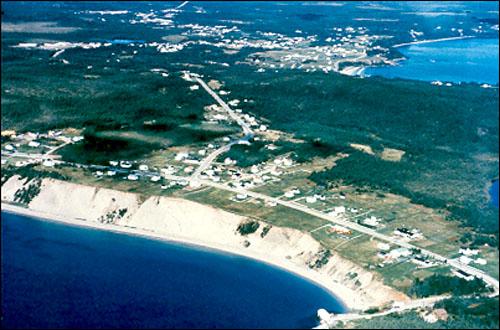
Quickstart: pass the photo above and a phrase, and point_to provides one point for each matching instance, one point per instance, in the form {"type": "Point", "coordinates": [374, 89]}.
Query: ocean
{"type": "Point", "coordinates": [464, 60]}
{"type": "Point", "coordinates": [494, 193]}
{"type": "Point", "coordinates": [59, 276]}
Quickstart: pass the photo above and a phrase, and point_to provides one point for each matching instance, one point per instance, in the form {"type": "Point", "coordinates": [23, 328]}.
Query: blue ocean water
{"type": "Point", "coordinates": [464, 60]}
{"type": "Point", "coordinates": [58, 276]}
{"type": "Point", "coordinates": [125, 41]}
{"type": "Point", "coordinates": [494, 193]}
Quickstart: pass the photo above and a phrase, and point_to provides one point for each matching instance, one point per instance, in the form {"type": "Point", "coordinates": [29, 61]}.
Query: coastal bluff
{"type": "Point", "coordinates": [190, 222]}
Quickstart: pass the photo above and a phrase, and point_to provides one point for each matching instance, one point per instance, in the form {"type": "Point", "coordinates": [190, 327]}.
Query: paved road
{"type": "Point", "coordinates": [430, 41]}
{"type": "Point", "coordinates": [182, 5]}
{"type": "Point", "coordinates": [418, 303]}
{"type": "Point", "coordinates": [210, 158]}
{"type": "Point", "coordinates": [302, 208]}
{"type": "Point", "coordinates": [337, 220]}
{"type": "Point", "coordinates": [58, 147]}
{"type": "Point", "coordinates": [357, 227]}
{"type": "Point", "coordinates": [246, 130]}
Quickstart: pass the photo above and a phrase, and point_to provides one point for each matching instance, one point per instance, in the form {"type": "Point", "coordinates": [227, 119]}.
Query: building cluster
{"type": "Point", "coordinates": [389, 256]}
{"type": "Point", "coordinates": [468, 256]}
{"type": "Point", "coordinates": [33, 148]}
{"type": "Point", "coordinates": [408, 234]}
{"type": "Point", "coordinates": [351, 46]}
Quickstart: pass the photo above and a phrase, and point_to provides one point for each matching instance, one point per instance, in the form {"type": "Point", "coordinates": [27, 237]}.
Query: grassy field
{"type": "Point", "coordinates": [462, 314]}
{"type": "Point", "coordinates": [449, 135]}
{"type": "Point", "coordinates": [278, 215]}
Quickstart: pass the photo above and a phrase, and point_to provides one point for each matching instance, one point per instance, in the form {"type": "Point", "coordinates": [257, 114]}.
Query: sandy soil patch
{"type": "Point", "coordinates": [393, 155]}
{"type": "Point", "coordinates": [37, 27]}
{"type": "Point", "coordinates": [194, 223]}
{"type": "Point", "coordinates": [363, 148]}
{"type": "Point", "coordinates": [214, 84]}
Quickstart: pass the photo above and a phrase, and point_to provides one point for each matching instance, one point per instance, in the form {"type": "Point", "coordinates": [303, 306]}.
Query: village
{"type": "Point", "coordinates": [280, 181]}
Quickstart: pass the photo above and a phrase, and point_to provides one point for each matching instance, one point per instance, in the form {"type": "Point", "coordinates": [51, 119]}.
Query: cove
{"type": "Point", "coordinates": [58, 276]}
{"type": "Point", "coordinates": [464, 60]}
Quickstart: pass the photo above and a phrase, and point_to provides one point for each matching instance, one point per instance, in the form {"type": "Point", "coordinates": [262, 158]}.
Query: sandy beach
{"type": "Point", "coordinates": [185, 222]}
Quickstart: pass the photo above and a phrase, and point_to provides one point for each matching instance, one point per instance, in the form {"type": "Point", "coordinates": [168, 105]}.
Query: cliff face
{"type": "Point", "coordinates": [189, 221]}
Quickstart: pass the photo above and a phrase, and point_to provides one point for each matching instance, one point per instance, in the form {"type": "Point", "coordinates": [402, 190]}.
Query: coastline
{"type": "Point", "coordinates": [335, 290]}
{"type": "Point", "coordinates": [187, 222]}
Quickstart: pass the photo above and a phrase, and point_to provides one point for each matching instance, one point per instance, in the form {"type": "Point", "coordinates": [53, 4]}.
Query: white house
{"type": "Point", "coordinates": [383, 246]}
{"type": "Point", "coordinates": [465, 260]}
{"type": "Point", "coordinates": [462, 274]}
{"type": "Point", "coordinates": [310, 199]}
{"type": "Point", "coordinates": [399, 252]}
{"type": "Point", "coordinates": [132, 177]}
{"type": "Point", "coordinates": [241, 196]}
{"type": "Point", "coordinates": [339, 209]}
{"type": "Point", "coordinates": [48, 162]}
{"type": "Point", "coordinates": [371, 221]}
{"type": "Point", "coordinates": [468, 252]}
{"type": "Point", "coordinates": [125, 164]}
{"type": "Point", "coordinates": [181, 155]}
{"type": "Point", "coordinates": [480, 261]}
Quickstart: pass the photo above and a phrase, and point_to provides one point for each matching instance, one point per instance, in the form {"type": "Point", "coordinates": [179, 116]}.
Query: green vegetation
{"type": "Point", "coordinates": [113, 216]}
{"type": "Point", "coordinates": [248, 227]}
{"type": "Point", "coordinates": [29, 172]}
{"type": "Point", "coordinates": [322, 258]}
{"type": "Point", "coordinates": [104, 143]}
{"type": "Point", "coordinates": [25, 195]}
{"type": "Point", "coordinates": [438, 284]}
{"type": "Point", "coordinates": [449, 135]}
{"type": "Point", "coordinates": [265, 230]}
{"type": "Point", "coordinates": [480, 313]}
{"type": "Point", "coordinates": [255, 153]}
{"type": "Point", "coordinates": [248, 155]}
{"type": "Point", "coordinates": [316, 147]}
{"type": "Point", "coordinates": [97, 149]}
{"type": "Point", "coordinates": [472, 313]}
{"type": "Point", "coordinates": [59, 96]}
{"type": "Point", "coordinates": [123, 121]}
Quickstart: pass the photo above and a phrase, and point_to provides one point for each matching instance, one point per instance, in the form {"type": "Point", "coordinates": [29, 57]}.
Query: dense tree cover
{"type": "Point", "coordinates": [449, 134]}
{"type": "Point", "coordinates": [29, 172]}
{"type": "Point", "coordinates": [248, 227]}
{"type": "Point", "coordinates": [480, 313]}
{"type": "Point", "coordinates": [437, 284]}
{"type": "Point", "coordinates": [100, 150]}
{"type": "Point", "coordinates": [248, 155]}
{"type": "Point", "coordinates": [472, 313]}
{"type": "Point", "coordinates": [25, 194]}
{"type": "Point", "coordinates": [411, 178]}
{"type": "Point", "coordinates": [256, 152]}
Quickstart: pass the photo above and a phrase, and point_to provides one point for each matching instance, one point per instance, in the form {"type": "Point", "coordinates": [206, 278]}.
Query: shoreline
{"type": "Point", "coordinates": [431, 41]}
{"type": "Point", "coordinates": [337, 291]}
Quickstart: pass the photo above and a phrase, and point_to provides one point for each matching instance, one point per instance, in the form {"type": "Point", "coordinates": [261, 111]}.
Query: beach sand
{"type": "Point", "coordinates": [187, 222]}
